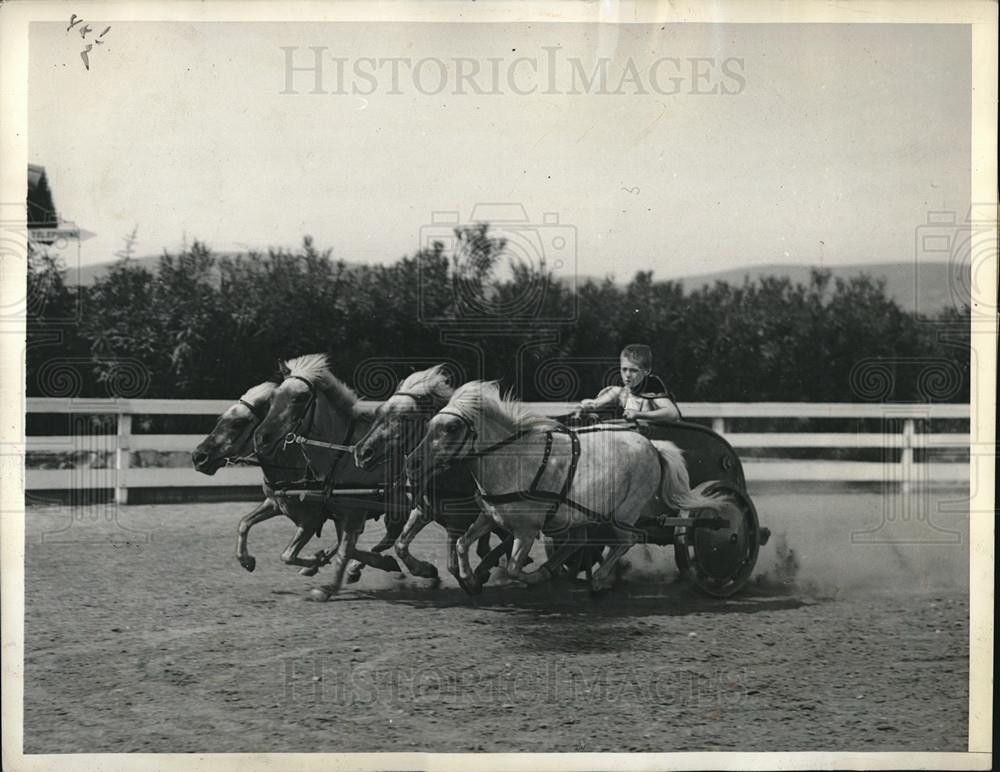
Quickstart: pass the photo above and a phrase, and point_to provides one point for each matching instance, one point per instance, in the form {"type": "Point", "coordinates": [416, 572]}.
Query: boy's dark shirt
{"type": "Point", "coordinates": [652, 387]}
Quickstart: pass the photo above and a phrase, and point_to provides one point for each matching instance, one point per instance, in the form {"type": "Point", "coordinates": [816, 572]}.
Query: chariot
{"type": "Point", "coordinates": [715, 552]}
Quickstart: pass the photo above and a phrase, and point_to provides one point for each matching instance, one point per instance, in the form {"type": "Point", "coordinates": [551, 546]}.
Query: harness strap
{"type": "Point", "coordinates": [349, 434]}
{"type": "Point", "coordinates": [545, 460]}
{"type": "Point", "coordinates": [557, 499]}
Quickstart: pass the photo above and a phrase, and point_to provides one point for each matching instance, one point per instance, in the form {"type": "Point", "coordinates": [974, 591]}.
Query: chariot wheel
{"type": "Point", "coordinates": [718, 561]}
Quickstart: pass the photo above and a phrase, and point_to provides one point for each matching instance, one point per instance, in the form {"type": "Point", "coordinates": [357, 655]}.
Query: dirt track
{"type": "Point", "coordinates": [144, 634]}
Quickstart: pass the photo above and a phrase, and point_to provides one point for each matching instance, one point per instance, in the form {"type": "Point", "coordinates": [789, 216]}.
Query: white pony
{"type": "Point", "coordinates": [536, 475]}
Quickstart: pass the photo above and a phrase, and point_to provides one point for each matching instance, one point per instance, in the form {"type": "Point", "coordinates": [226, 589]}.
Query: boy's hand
{"type": "Point", "coordinates": [629, 415]}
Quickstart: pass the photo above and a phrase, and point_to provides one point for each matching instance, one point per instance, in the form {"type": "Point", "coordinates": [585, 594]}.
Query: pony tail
{"type": "Point", "coordinates": [676, 491]}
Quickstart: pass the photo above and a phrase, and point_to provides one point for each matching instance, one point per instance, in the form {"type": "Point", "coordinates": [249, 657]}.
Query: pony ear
{"type": "Point", "coordinates": [283, 369]}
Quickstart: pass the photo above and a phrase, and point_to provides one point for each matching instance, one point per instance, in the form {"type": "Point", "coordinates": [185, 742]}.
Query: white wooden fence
{"type": "Point", "coordinates": [906, 472]}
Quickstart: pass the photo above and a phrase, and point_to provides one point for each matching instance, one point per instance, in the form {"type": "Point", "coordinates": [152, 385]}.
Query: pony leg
{"type": "Point", "coordinates": [263, 511]}
{"type": "Point", "coordinates": [545, 571]}
{"type": "Point", "coordinates": [324, 556]}
{"type": "Point", "coordinates": [291, 554]}
{"type": "Point", "coordinates": [396, 518]}
{"type": "Point", "coordinates": [492, 557]}
{"type": "Point", "coordinates": [518, 555]}
{"type": "Point", "coordinates": [381, 562]}
{"type": "Point", "coordinates": [340, 559]}
{"type": "Point", "coordinates": [417, 522]}
{"type": "Point", "coordinates": [466, 577]}
{"type": "Point", "coordinates": [453, 536]}
{"type": "Point", "coordinates": [603, 578]}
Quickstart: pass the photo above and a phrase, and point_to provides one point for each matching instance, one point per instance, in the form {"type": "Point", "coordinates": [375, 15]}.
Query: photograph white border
{"type": "Point", "coordinates": [15, 17]}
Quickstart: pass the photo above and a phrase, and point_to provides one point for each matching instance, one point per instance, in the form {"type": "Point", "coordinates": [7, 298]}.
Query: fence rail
{"type": "Point", "coordinates": [907, 472]}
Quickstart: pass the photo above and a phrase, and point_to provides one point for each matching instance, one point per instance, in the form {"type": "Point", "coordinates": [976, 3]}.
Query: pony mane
{"type": "Point", "coordinates": [262, 391]}
{"type": "Point", "coordinates": [432, 382]}
{"type": "Point", "coordinates": [484, 398]}
{"type": "Point", "coordinates": [315, 368]}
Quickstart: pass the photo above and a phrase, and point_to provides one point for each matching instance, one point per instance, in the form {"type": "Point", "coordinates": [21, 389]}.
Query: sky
{"type": "Point", "coordinates": [821, 144]}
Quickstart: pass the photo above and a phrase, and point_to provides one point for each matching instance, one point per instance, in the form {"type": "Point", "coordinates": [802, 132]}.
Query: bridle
{"type": "Point", "coordinates": [473, 435]}
{"type": "Point", "coordinates": [426, 409]}
{"type": "Point", "coordinates": [294, 437]}
{"type": "Point", "coordinates": [260, 415]}
{"type": "Point", "coordinates": [299, 435]}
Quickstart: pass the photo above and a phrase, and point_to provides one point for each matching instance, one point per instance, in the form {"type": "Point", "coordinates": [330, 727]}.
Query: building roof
{"type": "Point", "coordinates": [41, 208]}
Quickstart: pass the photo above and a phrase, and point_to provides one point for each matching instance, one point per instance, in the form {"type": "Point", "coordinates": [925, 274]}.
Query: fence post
{"type": "Point", "coordinates": [122, 458]}
{"type": "Point", "coordinates": [719, 425]}
{"type": "Point", "coordinates": [907, 470]}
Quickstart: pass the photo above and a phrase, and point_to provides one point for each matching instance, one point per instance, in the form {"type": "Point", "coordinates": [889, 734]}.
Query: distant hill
{"type": "Point", "coordinates": [89, 274]}
{"type": "Point", "coordinates": [926, 287]}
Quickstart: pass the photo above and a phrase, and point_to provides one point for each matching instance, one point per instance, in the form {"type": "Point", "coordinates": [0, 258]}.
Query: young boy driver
{"type": "Point", "coordinates": [642, 395]}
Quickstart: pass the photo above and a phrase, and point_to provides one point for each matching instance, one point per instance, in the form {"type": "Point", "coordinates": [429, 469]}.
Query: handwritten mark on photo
{"type": "Point", "coordinates": [84, 31]}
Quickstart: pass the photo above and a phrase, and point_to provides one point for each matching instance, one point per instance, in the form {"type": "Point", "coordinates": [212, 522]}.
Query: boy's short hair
{"type": "Point", "coordinates": [639, 353]}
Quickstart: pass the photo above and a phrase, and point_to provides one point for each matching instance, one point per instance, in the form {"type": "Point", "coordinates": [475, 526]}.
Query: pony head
{"type": "Point", "coordinates": [400, 420]}
{"type": "Point", "coordinates": [232, 432]}
{"type": "Point", "coordinates": [295, 401]}
{"type": "Point", "coordinates": [475, 417]}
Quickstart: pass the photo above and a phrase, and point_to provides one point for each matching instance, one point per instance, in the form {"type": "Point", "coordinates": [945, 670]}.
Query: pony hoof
{"type": "Point", "coordinates": [353, 577]}
{"type": "Point", "coordinates": [309, 571]}
{"type": "Point", "coordinates": [318, 595]}
{"type": "Point", "coordinates": [482, 577]}
{"type": "Point", "coordinates": [470, 587]}
{"type": "Point", "coordinates": [249, 563]}
{"type": "Point", "coordinates": [426, 571]}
